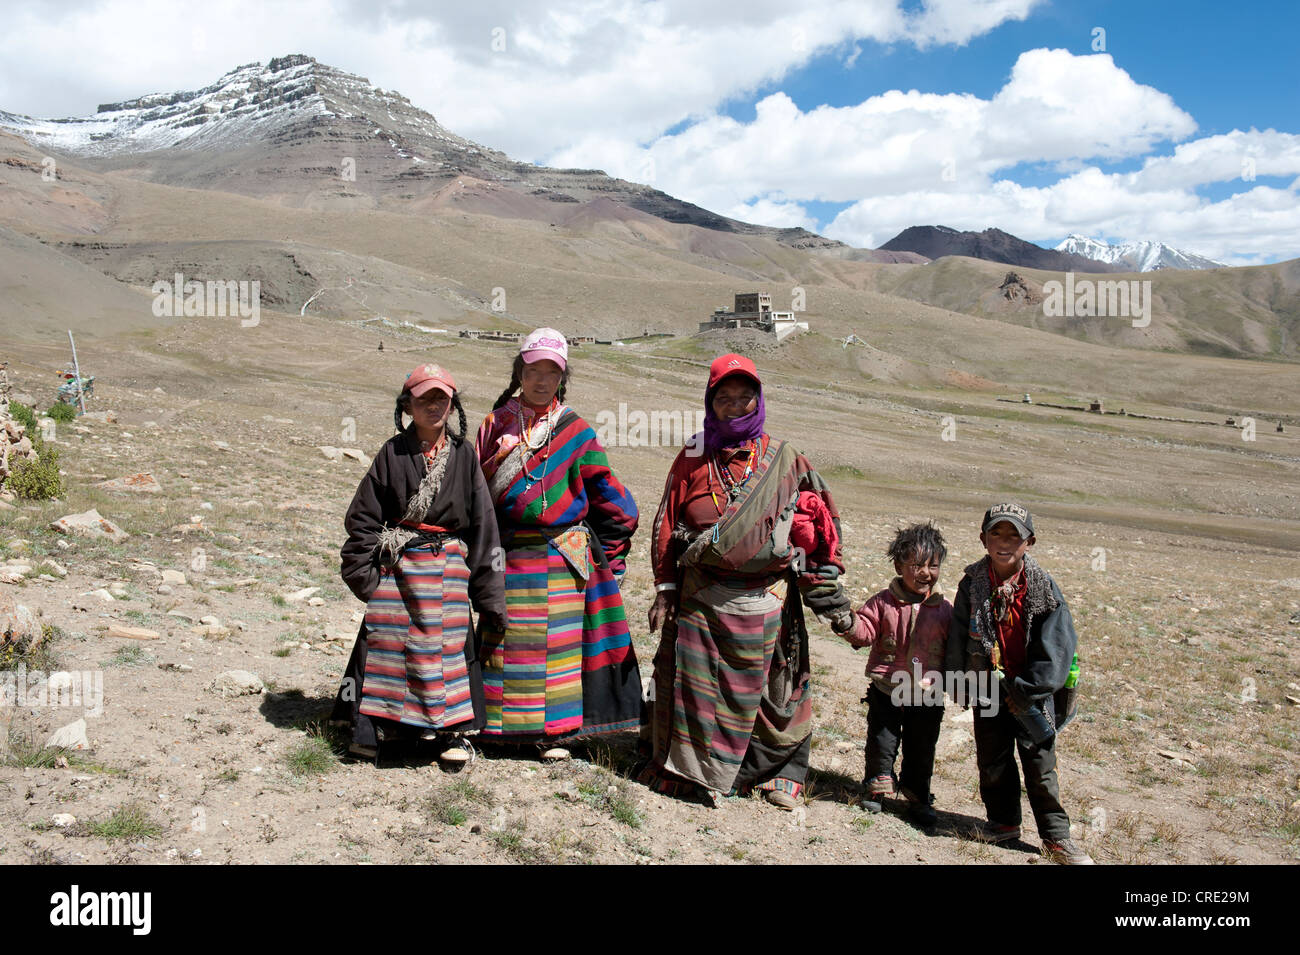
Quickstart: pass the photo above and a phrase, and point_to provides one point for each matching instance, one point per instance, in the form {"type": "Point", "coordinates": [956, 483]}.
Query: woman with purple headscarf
{"type": "Point", "coordinates": [730, 709]}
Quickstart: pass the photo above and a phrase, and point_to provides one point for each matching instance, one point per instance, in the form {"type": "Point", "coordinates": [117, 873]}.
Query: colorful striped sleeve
{"type": "Point", "coordinates": [610, 508]}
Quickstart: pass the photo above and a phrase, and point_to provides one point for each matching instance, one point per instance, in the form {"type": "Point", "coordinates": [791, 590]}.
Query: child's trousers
{"type": "Point", "coordinates": [918, 729]}
{"type": "Point", "coordinates": [997, 738]}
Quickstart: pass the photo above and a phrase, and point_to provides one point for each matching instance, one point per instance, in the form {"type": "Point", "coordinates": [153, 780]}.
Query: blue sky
{"type": "Point", "coordinates": [1227, 71]}
{"type": "Point", "coordinates": [1183, 129]}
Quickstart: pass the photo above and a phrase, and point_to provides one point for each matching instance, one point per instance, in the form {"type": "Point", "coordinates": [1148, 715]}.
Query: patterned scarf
{"type": "Point", "coordinates": [393, 540]}
{"type": "Point", "coordinates": [984, 616]}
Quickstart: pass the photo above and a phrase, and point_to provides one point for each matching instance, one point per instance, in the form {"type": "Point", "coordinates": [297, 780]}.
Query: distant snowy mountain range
{"type": "Point", "coordinates": [1136, 256]}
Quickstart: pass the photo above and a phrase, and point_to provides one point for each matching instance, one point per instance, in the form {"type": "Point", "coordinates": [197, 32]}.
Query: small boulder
{"type": "Point", "coordinates": [142, 482]}
{"type": "Point", "coordinates": [17, 622]}
{"type": "Point", "coordinates": [72, 736]}
{"type": "Point", "coordinates": [132, 633]}
{"type": "Point", "coordinates": [54, 567]}
{"type": "Point", "coordinates": [89, 524]}
{"type": "Point", "coordinates": [237, 683]}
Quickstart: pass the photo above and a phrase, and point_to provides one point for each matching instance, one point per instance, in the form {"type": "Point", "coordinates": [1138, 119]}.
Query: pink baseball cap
{"type": "Point", "coordinates": [425, 377]}
{"type": "Point", "coordinates": [545, 343]}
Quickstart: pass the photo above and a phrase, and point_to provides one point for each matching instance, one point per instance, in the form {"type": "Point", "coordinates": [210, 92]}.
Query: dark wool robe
{"type": "Point", "coordinates": [463, 506]}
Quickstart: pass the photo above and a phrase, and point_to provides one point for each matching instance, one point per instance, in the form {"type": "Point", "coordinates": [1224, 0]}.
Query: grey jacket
{"type": "Point", "coordinates": [1050, 640]}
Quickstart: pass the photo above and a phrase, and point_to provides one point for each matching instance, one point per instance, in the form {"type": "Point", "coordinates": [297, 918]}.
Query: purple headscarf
{"type": "Point", "coordinates": [719, 434]}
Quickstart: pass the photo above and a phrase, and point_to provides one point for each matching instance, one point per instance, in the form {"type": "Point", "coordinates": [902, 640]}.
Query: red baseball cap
{"type": "Point", "coordinates": [732, 364]}
{"type": "Point", "coordinates": [425, 377]}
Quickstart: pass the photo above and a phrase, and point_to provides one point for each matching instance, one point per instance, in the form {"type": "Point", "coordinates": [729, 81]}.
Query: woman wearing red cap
{"type": "Point", "coordinates": [562, 667]}
{"type": "Point", "coordinates": [422, 543]}
{"type": "Point", "coordinates": [744, 528]}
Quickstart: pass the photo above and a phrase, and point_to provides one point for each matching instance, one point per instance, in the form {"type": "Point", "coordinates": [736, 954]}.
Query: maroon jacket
{"type": "Point", "coordinates": [898, 632]}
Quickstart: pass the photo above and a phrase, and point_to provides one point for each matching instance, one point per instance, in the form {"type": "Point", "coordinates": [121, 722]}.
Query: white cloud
{"type": "Point", "coordinates": [1234, 155]}
{"type": "Point", "coordinates": [1060, 106]}
{"type": "Point", "coordinates": [902, 141]}
{"type": "Point", "coordinates": [594, 83]}
{"type": "Point", "coordinates": [958, 21]}
{"type": "Point", "coordinates": [527, 79]}
{"type": "Point", "coordinates": [1257, 225]}
{"type": "Point", "coordinates": [773, 212]}
{"type": "Point", "coordinates": [910, 158]}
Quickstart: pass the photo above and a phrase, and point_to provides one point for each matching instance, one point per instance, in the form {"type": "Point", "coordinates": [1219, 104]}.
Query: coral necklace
{"type": "Point", "coordinates": [726, 480]}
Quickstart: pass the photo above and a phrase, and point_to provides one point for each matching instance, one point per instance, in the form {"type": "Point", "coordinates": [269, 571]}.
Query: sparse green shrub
{"type": "Point", "coordinates": [311, 757]}
{"type": "Point", "coordinates": [62, 412]}
{"type": "Point", "coordinates": [131, 821]}
{"type": "Point", "coordinates": [26, 417]}
{"type": "Point", "coordinates": [38, 480]}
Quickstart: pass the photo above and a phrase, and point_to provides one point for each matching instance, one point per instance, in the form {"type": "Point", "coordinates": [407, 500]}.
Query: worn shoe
{"type": "Point", "coordinates": [879, 786]}
{"type": "Point", "coordinates": [363, 752]}
{"type": "Point", "coordinates": [780, 799]}
{"type": "Point", "coordinates": [1066, 852]}
{"type": "Point", "coordinates": [997, 833]}
{"type": "Point", "coordinates": [457, 754]}
{"type": "Point", "coordinates": [555, 754]}
{"type": "Point", "coordinates": [874, 792]}
{"type": "Point", "coordinates": [922, 814]}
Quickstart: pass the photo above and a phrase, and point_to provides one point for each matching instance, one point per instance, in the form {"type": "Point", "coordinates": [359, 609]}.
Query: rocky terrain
{"type": "Point", "coordinates": [200, 606]}
{"type": "Point", "coordinates": [1177, 546]}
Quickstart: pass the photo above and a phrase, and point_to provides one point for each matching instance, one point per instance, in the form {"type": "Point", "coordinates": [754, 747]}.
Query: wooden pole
{"type": "Point", "coordinates": [76, 369]}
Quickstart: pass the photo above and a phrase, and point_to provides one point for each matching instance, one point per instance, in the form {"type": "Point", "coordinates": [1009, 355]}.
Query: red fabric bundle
{"type": "Point", "coordinates": [814, 530]}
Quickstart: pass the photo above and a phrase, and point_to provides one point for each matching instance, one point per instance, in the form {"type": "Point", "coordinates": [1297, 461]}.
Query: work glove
{"type": "Point", "coordinates": [826, 599]}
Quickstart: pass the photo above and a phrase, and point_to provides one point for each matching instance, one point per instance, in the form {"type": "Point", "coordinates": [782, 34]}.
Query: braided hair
{"type": "Point", "coordinates": [516, 379]}
{"type": "Point", "coordinates": [403, 406]}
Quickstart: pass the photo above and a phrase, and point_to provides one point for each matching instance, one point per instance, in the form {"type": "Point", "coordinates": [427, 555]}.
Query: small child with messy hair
{"type": "Point", "coordinates": [906, 627]}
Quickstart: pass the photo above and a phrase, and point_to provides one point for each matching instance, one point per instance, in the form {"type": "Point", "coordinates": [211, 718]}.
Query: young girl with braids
{"type": "Point", "coordinates": [562, 667]}
{"type": "Point", "coordinates": [422, 547]}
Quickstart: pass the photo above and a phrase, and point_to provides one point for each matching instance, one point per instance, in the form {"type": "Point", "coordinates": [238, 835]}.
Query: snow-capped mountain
{"type": "Point", "coordinates": [992, 245]}
{"type": "Point", "coordinates": [248, 104]}
{"type": "Point", "coordinates": [298, 131]}
{"type": "Point", "coordinates": [1138, 256]}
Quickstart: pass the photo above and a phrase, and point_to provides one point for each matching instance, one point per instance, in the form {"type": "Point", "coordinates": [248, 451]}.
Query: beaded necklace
{"type": "Point", "coordinates": [526, 445]}
{"type": "Point", "coordinates": [726, 480]}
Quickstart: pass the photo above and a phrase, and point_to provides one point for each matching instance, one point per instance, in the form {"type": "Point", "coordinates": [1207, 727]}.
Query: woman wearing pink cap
{"type": "Point", "coordinates": [745, 527]}
{"type": "Point", "coordinates": [562, 667]}
{"type": "Point", "coordinates": [422, 542]}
